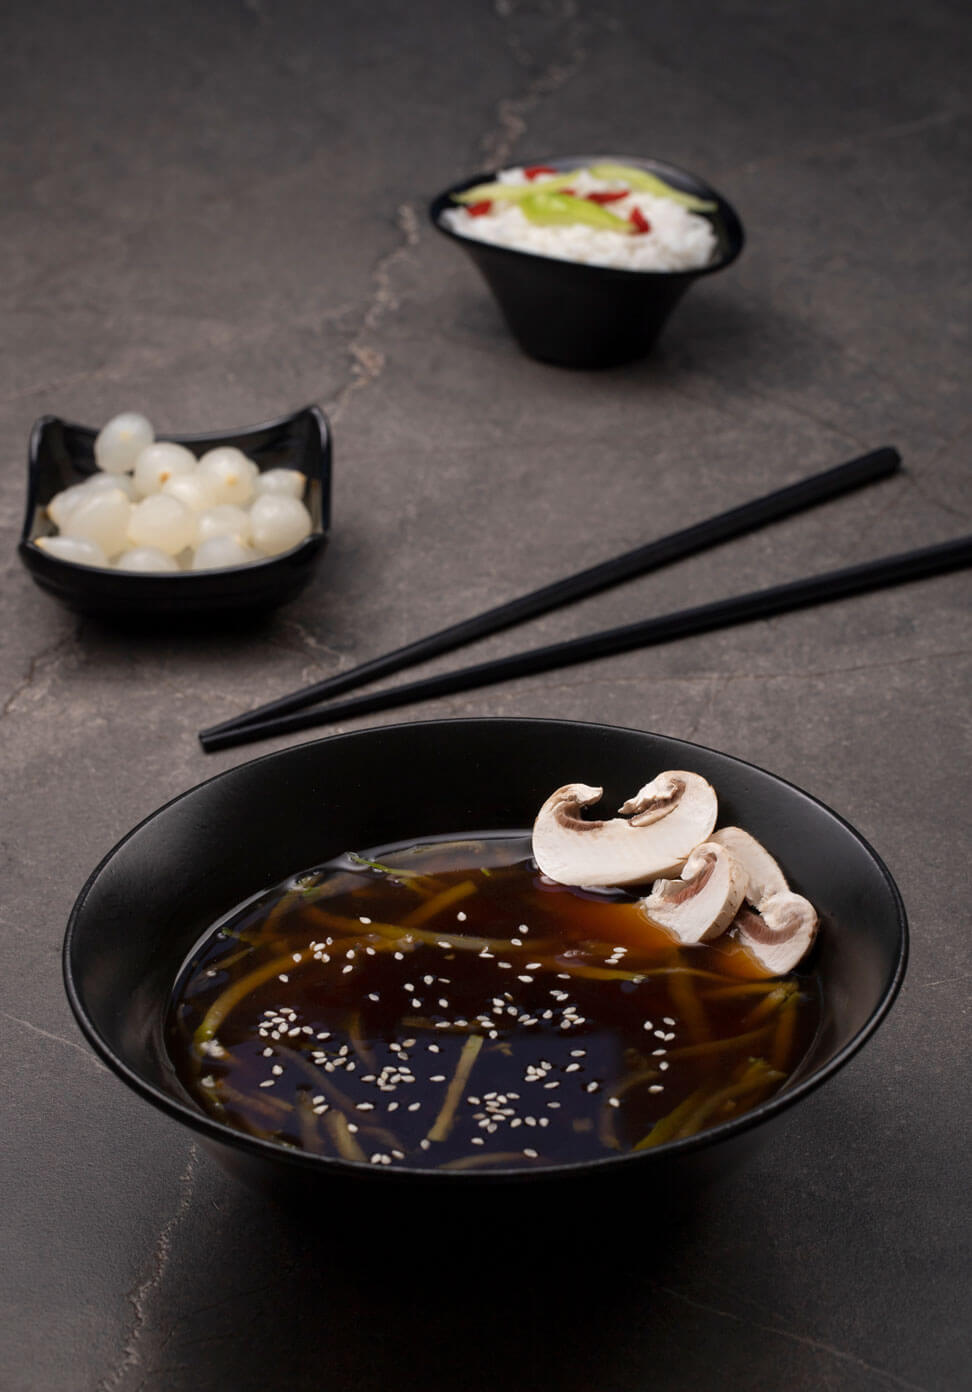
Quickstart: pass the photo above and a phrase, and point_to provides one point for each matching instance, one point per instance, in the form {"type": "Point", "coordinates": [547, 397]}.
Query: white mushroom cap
{"type": "Point", "coordinates": [704, 900]}
{"type": "Point", "coordinates": [672, 814]}
{"type": "Point", "coordinates": [780, 927]}
{"type": "Point", "coordinates": [781, 933]}
{"type": "Point", "coordinates": [765, 876]}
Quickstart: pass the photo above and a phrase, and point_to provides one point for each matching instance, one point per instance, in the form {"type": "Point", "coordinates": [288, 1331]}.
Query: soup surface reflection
{"type": "Point", "coordinates": [444, 1006]}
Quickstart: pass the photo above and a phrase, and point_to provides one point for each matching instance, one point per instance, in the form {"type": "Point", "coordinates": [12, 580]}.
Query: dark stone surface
{"type": "Point", "coordinates": [215, 213]}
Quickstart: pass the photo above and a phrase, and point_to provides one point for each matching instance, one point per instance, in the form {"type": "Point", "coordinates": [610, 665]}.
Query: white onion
{"type": "Point", "coordinates": [145, 559]}
{"type": "Point", "coordinates": [160, 462]}
{"type": "Point", "coordinates": [225, 519]}
{"type": "Point", "coordinates": [99, 480]}
{"type": "Point", "coordinates": [279, 522]}
{"type": "Point", "coordinates": [103, 518]}
{"type": "Point", "coordinates": [121, 441]}
{"type": "Point", "coordinates": [163, 522]}
{"type": "Point", "coordinates": [288, 481]}
{"type": "Point", "coordinates": [233, 474]}
{"type": "Point", "coordinates": [76, 549]}
{"type": "Point", "coordinates": [63, 504]}
{"type": "Point", "coordinates": [221, 551]}
{"type": "Point", "coordinates": [195, 490]}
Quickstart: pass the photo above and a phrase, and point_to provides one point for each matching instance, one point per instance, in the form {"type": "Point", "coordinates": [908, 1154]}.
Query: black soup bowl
{"type": "Point", "coordinates": [161, 888]}
{"type": "Point", "coordinates": [577, 315]}
{"type": "Point", "coordinates": [61, 454]}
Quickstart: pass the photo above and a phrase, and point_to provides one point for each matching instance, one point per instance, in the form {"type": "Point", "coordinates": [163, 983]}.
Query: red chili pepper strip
{"type": "Point", "coordinates": [535, 170]}
{"type": "Point", "coordinates": [638, 220]}
{"type": "Point", "coordinates": [478, 209]}
{"type": "Point", "coordinates": [607, 196]}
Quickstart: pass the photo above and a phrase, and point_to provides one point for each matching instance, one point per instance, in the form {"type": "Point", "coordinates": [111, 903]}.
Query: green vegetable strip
{"type": "Point", "coordinates": [757, 1078]}
{"type": "Point", "coordinates": [443, 1122]}
{"type": "Point", "coordinates": [718, 1046]}
{"type": "Point", "coordinates": [336, 1124]}
{"type": "Point", "coordinates": [606, 1129]}
{"type": "Point", "coordinates": [767, 1005]}
{"type": "Point", "coordinates": [232, 996]}
{"type": "Point", "coordinates": [477, 1162]}
{"type": "Point", "coordinates": [274, 1107]}
{"type": "Point", "coordinates": [744, 988]}
{"type": "Point", "coordinates": [563, 210]}
{"type": "Point", "coordinates": [515, 193]}
{"type": "Point", "coordinates": [335, 1095]}
{"type": "Point", "coordinates": [358, 1041]}
{"type": "Point", "coordinates": [643, 182]}
{"type": "Point", "coordinates": [431, 907]}
{"type": "Point", "coordinates": [402, 937]}
{"type": "Point", "coordinates": [688, 1007]}
{"type": "Point", "coordinates": [666, 1128]}
{"type": "Point", "coordinates": [411, 879]}
{"type": "Point", "coordinates": [783, 1040]}
{"type": "Point", "coordinates": [309, 1136]}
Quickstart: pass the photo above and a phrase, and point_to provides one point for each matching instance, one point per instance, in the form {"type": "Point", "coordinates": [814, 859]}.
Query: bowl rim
{"type": "Point", "coordinates": [224, 1135]}
{"type": "Point", "coordinates": [693, 183]}
{"type": "Point", "coordinates": [152, 582]}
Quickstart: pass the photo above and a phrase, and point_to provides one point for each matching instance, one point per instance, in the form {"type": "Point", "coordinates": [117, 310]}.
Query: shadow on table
{"type": "Point", "coordinates": [268, 1297]}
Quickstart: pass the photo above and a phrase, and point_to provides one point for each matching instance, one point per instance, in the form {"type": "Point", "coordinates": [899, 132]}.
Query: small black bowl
{"type": "Point", "coordinates": [153, 896]}
{"type": "Point", "coordinates": [575, 315]}
{"type": "Point", "coordinates": [61, 454]}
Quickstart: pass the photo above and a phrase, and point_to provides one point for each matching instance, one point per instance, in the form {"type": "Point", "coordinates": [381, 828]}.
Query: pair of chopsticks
{"type": "Point", "coordinates": [303, 709]}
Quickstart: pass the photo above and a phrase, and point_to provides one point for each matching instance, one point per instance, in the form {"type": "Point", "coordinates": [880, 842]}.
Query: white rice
{"type": "Point", "coordinates": [679, 240]}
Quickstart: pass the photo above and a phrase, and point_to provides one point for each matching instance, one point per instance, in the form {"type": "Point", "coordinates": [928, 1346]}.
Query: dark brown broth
{"type": "Point", "coordinates": [344, 1013]}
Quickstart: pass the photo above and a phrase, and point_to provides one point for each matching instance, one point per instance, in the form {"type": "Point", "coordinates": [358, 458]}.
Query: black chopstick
{"type": "Point", "coordinates": [723, 613]}
{"type": "Point", "coordinates": [818, 488]}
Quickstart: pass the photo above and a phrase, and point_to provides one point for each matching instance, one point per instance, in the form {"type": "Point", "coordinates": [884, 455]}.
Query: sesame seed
{"type": "Point", "coordinates": [656, 1087]}
{"type": "Point", "coordinates": [614, 1102]}
{"type": "Point", "coordinates": [530, 1154]}
{"type": "Point", "coordinates": [283, 977]}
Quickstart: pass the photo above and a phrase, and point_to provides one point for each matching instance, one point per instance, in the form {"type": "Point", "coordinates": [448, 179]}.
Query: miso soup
{"type": "Point", "coordinates": [444, 1006]}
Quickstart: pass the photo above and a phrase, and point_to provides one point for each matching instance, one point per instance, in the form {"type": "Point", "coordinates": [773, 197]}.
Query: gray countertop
{"type": "Point", "coordinates": [215, 213]}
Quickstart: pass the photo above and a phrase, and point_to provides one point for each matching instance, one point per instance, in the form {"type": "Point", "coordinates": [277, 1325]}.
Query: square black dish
{"type": "Point", "coordinates": [62, 454]}
{"type": "Point", "coordinates": [577, 315]}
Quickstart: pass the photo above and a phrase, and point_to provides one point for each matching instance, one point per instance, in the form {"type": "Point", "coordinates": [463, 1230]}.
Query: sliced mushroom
{"type": "Point", "coordinates": [671, 815]}
{"type": "Point", "coordinates": [780, 933]}
{"type": "Point", "coordinates": [704, 900]}
{"type": "Point", "coordinates": [765, 876]}
{"type": "Point", "coordinates": [780, 927]}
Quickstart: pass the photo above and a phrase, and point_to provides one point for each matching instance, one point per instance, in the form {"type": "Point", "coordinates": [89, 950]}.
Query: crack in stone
{"type": "Point", "coordinates": [512, 112]}
{"type": "Point", "coordinates": [368, 361]}
{"type": "Point", "coordinates": [57, 1038]}
{"type": "Point", "coordinates": [141, 1296]}
{"type": "Point", "coordinates": [806, 1340]}
{"type": "Point", "coordinates": [33, 668]}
